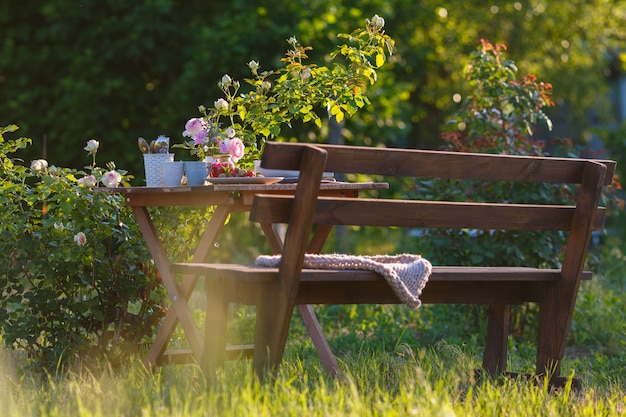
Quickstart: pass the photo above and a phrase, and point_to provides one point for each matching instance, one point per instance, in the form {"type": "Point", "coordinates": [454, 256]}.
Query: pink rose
{"type": "Point", "coordinates": [193, 127]}
{"type": "Point", "coordinates": [80, 239]}
{"type": "Point", "coordinates": [236, 149]}
{"type": "Point", "coordinates": [200, 137]}
{"type": "Point", "coordinates": [111, 179]}
{"type": "Point", "coordinates": [224, 146]}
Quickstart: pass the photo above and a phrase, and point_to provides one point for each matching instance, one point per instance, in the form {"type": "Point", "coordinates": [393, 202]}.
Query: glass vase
{"type": "Point", "coordinates": [221, 164]}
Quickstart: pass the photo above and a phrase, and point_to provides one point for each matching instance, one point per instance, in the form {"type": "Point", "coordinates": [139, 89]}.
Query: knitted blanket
{"type": "Point", "coordinates": [407, 274]}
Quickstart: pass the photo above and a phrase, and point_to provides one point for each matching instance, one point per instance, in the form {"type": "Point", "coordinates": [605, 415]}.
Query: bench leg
{"type": "Point", "coordinates": [550, 339]}
{"type": "Point", "coordinates": [272, 327]}
{"type": "Point", "coordinates": [494, 357]}
{"type": "Point", "coordinates": [215, 329]}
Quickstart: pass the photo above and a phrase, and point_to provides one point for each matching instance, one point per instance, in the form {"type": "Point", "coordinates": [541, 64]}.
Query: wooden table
{"type": "Point", "coordinates": [226, 198]}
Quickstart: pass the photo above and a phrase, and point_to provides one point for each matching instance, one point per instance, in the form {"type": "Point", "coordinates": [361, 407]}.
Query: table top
{"type": "Point", "coordinates": [324, 185]}
{"type": "Point", "coordinates": [215, 194]}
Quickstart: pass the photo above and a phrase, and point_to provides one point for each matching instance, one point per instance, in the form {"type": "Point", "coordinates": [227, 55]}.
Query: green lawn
{"type": "Point", "coordinates": [436, 381]}
{"type": "Point", "coordinates": [395, 362]}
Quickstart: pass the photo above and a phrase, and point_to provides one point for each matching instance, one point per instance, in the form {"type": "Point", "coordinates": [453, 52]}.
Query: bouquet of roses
{"type": "Point", "coordinates": [239, 123]}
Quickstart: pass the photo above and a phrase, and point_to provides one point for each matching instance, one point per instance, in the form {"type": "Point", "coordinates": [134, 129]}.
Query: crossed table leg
{"type": "Point", "coordinates": [179, 293]}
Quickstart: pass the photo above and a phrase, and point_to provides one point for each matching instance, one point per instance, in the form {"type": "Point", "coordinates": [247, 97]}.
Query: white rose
{"type": "Point", "coordinates": [221, 105]}
{"type": "Point", "coordinates": [39, 165]}
{"type": "Point", "coordinates": [92, 146]}
{"type": "Point", "coordinates": [378, 22]}
{"type": "Point", "coordinates": [226, 80]}
{"type": "Point", "coordinates": [254, 66]}
{"type": "Point", "coordinates": [230, 132]}
{"type": "Point", "coordinates": [306, 73]}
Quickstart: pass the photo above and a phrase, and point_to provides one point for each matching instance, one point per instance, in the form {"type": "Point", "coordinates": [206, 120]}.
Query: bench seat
{"type": "Point", "coordinates": [510, 285]}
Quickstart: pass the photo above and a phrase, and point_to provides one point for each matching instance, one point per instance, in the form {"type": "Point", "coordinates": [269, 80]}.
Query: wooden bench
{"type": "Point", "coordinates": [275, 291]}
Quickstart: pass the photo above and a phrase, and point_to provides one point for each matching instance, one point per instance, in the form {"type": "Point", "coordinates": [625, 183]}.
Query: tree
{"type": "Point", "coordinates": [116, 70]}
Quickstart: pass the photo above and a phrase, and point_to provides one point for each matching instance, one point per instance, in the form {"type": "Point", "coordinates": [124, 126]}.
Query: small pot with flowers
{"type": "Point", "coordinates": [230, 135]}
{"type": "Point", "coordinates": [221, 150]}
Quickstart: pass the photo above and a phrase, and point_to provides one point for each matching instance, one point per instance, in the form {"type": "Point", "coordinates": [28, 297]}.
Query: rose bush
{"type": "Point", "coordinates": [76, 281]}
{"type": "Point", "coordinates": [241, 121]}
{"type": "Point", "coordinates": [499, 115]}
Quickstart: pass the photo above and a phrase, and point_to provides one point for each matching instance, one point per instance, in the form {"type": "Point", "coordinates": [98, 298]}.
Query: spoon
{"type": "Point", "coordinates": [143, 145]}
{"type": "Point", "coordinates": [161, 144]}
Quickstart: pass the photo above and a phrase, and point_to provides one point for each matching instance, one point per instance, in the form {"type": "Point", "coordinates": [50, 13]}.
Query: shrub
{"type": "Point", "coordinates": [499, 115]}
{"type": "Point", "coordinates": [74, 277]}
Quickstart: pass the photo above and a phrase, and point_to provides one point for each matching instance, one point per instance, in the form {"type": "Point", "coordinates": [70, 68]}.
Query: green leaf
{"type": "Point", "coordinates": [380, 59]}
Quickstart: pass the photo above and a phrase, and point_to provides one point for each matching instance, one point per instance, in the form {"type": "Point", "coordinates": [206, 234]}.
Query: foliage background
{"type": "Point", "coordinates": [115, 70]}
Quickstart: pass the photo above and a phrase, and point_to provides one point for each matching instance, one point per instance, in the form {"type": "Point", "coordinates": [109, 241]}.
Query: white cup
{"type": "Point", "coordinates": [196, 172]}
{"type": "Point", "coordinates": [153, 163]}
{"type": "Point", "coordinates": [173, 173]}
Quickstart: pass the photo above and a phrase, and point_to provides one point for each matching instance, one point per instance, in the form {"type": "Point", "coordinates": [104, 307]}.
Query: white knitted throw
{"type": "Point", "coordinates": [406, 273]}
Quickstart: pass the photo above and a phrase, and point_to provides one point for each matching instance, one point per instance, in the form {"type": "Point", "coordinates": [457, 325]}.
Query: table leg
{"type": "Point", "coordinates": [178, 301]}
{"type": "Point", "coordinates": [314, 329]}
{"type": "Point", "coordinates": [273, 236]}
{"type": "Point", "coordinates": [308, 315]}
{"type": "Point", "coordinates": [188, 283]}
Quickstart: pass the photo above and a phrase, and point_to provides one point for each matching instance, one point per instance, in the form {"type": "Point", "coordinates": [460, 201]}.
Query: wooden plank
{"type": "Point", "coordinates": [274, 310]}
{"type": "Point", "coordinates": [436, 292]}
{"type": "Point", "coordinates": [555, 316]}
{"type": "Point", "coordinates": [203, 196]}
{"type": "Point", "coordinates": [436, 214]}
{"type": "Point", "coordinates": [185, 356]}
{"type": "Point", "coordinates": [425, 214]}
{"type": "Point", "coordinates": [440, 164]}
{"type": "Point", "coordinates": [249, 274]}
{"type": "Point", "coordinates": [289, 188]}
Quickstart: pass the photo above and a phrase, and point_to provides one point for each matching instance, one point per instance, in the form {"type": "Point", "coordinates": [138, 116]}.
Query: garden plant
{"type": "Point", "coordinates": [241, 121]}
{"type": "Point", "coordinates": [75, 278]}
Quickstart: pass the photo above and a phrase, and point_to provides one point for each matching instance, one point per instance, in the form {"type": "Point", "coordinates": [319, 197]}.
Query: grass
{"type": "Point", "coordinates": [395, 362]}
{"type": "Point", "coordinates": [435, 381]}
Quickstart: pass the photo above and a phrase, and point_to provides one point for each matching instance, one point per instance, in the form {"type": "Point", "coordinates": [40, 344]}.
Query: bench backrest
{"type": "Point", "coordinates": [579, 218]}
